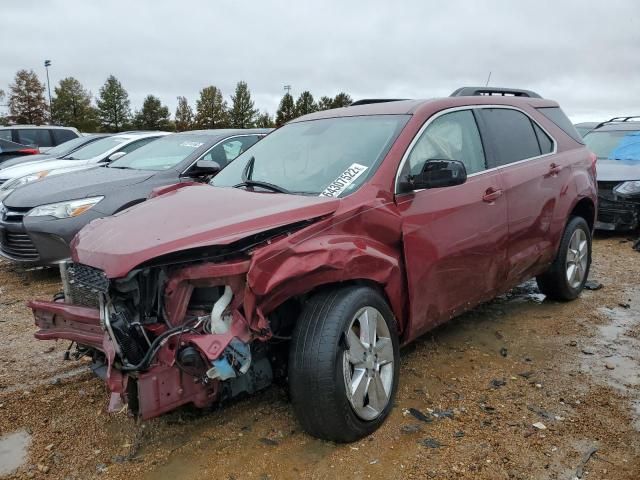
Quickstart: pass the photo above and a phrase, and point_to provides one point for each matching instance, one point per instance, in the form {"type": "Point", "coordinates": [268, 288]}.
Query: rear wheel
{"type": "Point", "coordinates": [568, 273]}
{"type": "Point", "coordinates": [344, 364]}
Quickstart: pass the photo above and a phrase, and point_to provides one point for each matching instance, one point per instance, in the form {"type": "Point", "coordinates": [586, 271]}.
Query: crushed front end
{"type": "Point", "coordinates": [163, 336]}
{"type": "Point", "coordinates": [618, 206]}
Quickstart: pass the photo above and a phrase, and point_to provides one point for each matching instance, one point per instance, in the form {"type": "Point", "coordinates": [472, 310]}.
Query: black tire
{"type": "Point", "coordinates": [554, 283]}
{"type": "Point", "coordinates": [316, 362]}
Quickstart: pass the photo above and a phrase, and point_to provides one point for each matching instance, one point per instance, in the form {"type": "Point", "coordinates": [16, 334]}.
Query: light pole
{"type": "Point", "coordinates": [47, 64]}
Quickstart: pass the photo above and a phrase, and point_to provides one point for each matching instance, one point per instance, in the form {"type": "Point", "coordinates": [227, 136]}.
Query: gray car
{"type": "Point", "coordinates": [617, 145]}
{"type": "Point", "coordinates": [38, 220]}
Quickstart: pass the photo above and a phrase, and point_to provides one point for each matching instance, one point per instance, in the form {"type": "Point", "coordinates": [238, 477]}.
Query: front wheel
{"type": "Point", "coordinates": [568, 273]}
{"type": "Point", "coordinates": [344, 364]}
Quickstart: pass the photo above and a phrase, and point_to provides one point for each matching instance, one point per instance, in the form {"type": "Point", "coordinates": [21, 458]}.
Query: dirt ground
{"type": "Point", "coordinates": [519, 388]}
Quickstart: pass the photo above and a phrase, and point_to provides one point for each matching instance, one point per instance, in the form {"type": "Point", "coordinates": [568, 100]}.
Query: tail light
{"type": "Point", "coordinates": [29, 151]}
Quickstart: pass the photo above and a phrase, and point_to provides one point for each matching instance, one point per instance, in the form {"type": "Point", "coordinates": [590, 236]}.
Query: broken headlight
{"type": "Point", "coordinates": [628, 189]}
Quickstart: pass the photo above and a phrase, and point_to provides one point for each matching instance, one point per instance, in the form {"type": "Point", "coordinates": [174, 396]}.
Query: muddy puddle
{"type": "Point", "coordinates": [13, 451]}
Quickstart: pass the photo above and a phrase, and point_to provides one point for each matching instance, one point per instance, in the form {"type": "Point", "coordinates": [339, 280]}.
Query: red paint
{"type": "Point", "coordinates": [433, 253]}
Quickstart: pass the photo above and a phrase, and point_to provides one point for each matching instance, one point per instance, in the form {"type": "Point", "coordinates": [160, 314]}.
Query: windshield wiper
{"type": "Point", "coordinates": [258, 183]}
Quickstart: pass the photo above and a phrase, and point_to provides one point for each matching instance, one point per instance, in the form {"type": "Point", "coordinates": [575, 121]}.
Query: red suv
{"type": "Point", "coordinates": [323, 248]}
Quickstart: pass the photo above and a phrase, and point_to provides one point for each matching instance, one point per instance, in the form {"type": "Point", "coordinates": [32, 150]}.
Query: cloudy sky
{"type": "Point", "coordinates": [584, 54]}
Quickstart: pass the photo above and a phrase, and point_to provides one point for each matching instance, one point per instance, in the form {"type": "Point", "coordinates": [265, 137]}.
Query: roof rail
{"type": "Point", "coordinates": [616, 119]}
{"type": "Point", "coordinates": [367, 101]}
{"type": "Point", "coordinates": [482, 91]}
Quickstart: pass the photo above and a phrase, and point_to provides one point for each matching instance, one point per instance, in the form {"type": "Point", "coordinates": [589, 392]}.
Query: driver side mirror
{"type": "Point", "coordinates": [115, 156]}
{"type": "Point", "coordinates": [437, 174]}
{"type": "Point", "coordinates": [206, 167]}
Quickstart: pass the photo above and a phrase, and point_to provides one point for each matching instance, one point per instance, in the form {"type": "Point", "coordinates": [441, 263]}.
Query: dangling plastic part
{"type": "Point", "coordinates": [218, 324]}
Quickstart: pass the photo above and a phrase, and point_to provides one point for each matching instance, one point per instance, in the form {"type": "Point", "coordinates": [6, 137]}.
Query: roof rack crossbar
{"type": "Point", "coordinates": [367, 101]}
{"type": "Point", "coordinates": [616, 119]}
{"type": "Point", "coordinates": [488, 91]}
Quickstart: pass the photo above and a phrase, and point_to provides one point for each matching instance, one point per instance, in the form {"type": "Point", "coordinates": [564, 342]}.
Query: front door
{"type": "Point", "coordinates": [454, 238]}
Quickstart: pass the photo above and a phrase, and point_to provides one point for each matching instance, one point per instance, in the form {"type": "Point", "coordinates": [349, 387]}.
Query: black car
{"type": "Point", "coordinates": [60, 151]}
{"type": "Point", "coordinates": [38, 220]}
{"type": "Point", "coordinates": [10, 151]}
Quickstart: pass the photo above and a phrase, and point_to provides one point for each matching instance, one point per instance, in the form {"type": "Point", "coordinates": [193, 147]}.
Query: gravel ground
{"type": "Point", "coordinates": [519, 388]}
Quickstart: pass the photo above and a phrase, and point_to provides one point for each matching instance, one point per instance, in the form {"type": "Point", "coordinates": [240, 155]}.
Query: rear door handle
{"type": "Point", "coordinates": [491, 195]}
{"type": "Point", "coordinates": [554, 169]}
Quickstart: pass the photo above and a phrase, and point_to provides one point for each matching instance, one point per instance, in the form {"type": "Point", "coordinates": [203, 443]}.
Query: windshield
{"type": "Point", "coordinates": [162, 154]}
{"type": "Point", "coordinates": [96, 148]}
{"type": "Point", "coordinates": [67, 147]}
{"type": "Point", "coordinates": [328, 157]}
{"type": "Point", "coordinates": [614, 144]}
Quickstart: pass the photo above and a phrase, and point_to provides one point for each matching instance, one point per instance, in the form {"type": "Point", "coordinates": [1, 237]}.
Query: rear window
{"type": "Point", "coordinates": [61, 135]}
{"type": "Point", "coordinates": [557, 116]}
{"type": "Point", "coordinates": [34, 136]}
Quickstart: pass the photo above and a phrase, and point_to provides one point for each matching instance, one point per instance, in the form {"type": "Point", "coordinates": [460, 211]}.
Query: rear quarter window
{"type": "Point", "coordinates": [62, 135]}
{"type": "Point", "coordinates": [557, 116]}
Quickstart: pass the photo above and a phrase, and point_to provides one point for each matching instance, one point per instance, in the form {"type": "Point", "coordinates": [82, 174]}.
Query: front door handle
{"type": "Point", "coordinates": [491, 195]}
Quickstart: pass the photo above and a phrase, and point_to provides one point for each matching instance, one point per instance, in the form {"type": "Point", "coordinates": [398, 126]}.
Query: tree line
{"type": "Point", "coordinates": [73, 105]}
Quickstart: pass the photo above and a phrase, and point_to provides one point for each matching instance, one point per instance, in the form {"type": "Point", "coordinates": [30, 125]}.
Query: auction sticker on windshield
{"type": "Point", "coordinates": [345, 179]}
{"type": "Point", "coordinates": [191, 144]}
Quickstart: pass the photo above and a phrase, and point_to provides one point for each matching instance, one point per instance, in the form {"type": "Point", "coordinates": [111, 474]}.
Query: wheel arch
{"type": "Point", "coordinates": [586, 209]}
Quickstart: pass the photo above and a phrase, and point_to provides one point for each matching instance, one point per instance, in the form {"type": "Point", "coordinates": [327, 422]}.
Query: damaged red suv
{"type": "Point", "coordinates": [323, 248]}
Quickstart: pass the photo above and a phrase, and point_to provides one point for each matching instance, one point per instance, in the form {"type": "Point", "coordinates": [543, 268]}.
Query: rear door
{"type": "Point", "coordinates": [533, 180]}
{"type": "Point", "coordinates": [453, 237]}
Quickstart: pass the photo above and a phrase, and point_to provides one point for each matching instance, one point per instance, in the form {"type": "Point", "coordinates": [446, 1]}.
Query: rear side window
{"type": "Point", "coordinates": [512, 135]}
{"type": "Point", "coordinates": [557, 116]}
{"type": "Point", "coordinates": [546, 144]}
{"type": "Point", "coordinates": [61, 135]}
{"type": "Point", "coordinates": [35, 136]}
{"type": "Point", "coordinates": [5, 135]}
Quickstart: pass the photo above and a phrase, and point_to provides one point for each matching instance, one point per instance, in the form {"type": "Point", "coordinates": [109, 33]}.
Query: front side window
{"type": "Point", "coordinates": [328, 157]}
{"type": "Point", "coordinates": [513, 135]}
{"type": "Point", "coordinates": [452, 136]}
{"type": "Point", "coordinates": [224, 152]}
{"type": "Point", "coordinates": [61, 135]}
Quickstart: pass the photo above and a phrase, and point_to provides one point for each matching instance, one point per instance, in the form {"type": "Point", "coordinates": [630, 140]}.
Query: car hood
{"type": "Point", "coordinates": [89, 182]}
{"type": "Point", "coordinates": [191, 217]}
{"type": "Point", "coordinates": [23, 169]}
{"type": "Point", "coordinates": [613, 170]}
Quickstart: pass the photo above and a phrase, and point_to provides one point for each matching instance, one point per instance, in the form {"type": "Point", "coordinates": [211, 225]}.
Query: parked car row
{"type": "Point", "coordinates": [196, 276]}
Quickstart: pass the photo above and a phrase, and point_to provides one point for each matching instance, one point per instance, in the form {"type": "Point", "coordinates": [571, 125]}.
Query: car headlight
{"type": "Point", "coordinates": [628, 189]}
{"type": "Point", "coordinates": [18, 182]}
{"type": "Point", "coordinates": [69, 209]}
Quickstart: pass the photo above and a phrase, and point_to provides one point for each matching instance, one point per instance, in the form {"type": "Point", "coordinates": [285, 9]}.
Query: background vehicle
{"type": "Point", "coordinates": [617, 146]}
{"type": "Point", "coordinates": [11, 151]}
{"type": "Point", "coordinates": [55, 152]}
{"type": "Point", "coordinates": [585, 127]}
{"type": "Point", "coordinates": [44, 136]}
{"type": "Point", "coordinates": [41, 218]}
{"type": "Point", "coordinates": [103, 151]}
{"type": "Point", "coordinates": [340, 236]}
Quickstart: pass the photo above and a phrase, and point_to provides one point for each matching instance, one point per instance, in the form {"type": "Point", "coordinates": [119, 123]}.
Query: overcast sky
{"type": "Point", "coordinates": [584, 54]}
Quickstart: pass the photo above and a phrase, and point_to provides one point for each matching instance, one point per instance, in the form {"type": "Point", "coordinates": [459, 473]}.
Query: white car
{"type": "Point", "coordinates": [99, 152]}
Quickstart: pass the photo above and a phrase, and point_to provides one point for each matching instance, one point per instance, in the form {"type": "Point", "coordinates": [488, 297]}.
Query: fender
{"type": "Point", "coordinates": [275, 276]}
